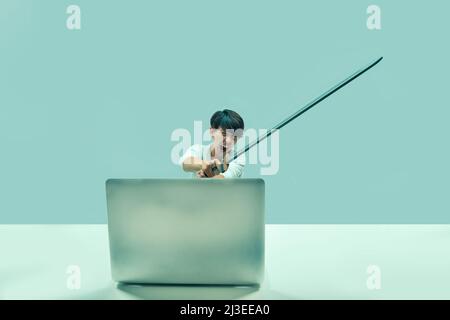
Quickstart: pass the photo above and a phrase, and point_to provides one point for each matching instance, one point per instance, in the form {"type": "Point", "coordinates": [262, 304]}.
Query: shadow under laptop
{"type": "Point", "coordinates": [186, 292]}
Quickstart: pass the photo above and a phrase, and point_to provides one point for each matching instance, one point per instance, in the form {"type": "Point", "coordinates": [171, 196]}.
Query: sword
{"type": "Point", "coordinates": [220, 169]}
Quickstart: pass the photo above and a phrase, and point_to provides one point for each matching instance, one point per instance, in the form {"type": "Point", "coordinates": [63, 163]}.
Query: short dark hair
{"type": "Point", "coordinates": [227, 119]}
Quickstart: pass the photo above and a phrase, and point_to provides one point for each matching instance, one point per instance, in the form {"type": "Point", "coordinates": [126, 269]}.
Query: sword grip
{"type": "Point", "coordinates": [218, 169]}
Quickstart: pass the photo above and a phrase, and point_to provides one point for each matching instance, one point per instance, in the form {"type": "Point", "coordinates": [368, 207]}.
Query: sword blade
{"type": "Point", "coordinates": [311, 104]}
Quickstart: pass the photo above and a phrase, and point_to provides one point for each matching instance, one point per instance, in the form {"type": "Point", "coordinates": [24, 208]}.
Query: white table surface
{"type": "Point", "coordinates": [302, 262]}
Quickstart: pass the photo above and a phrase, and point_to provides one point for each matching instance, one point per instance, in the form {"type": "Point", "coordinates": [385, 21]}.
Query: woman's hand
{"type": "Point", "coordinates": [208, 167]}
{"type": "Point", "coordinates": [200, 174]}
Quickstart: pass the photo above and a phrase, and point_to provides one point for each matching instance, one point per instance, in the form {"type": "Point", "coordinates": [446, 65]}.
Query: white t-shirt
{"type": "Point", "coordinates": [235, 167]}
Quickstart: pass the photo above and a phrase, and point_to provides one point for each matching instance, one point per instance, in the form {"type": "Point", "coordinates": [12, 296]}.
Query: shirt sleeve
{"type": "Point", "coordinates": [235, 168]}
{"type": "Point", "coordinates": [193, 151]}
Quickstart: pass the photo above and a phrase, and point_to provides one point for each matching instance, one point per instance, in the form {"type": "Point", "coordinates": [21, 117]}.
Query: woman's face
{"type": "Point", "coordinates": [223, 139]}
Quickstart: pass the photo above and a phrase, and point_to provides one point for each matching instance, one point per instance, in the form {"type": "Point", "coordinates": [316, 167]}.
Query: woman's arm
{"type": "Point", "coordinates": [193, 164]}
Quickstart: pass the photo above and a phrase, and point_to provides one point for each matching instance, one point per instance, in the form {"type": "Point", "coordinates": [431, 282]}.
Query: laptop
{"type": "Point", "coordinates": [186, 231]}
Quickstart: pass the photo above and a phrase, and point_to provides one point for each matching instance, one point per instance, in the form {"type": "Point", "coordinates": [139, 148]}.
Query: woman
{"type": "Point", "coordinates": [227, 127]}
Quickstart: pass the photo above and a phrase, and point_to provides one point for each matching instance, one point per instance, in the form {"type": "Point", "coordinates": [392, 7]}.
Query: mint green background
{"type": "Point", "coordinates": [78, 107]}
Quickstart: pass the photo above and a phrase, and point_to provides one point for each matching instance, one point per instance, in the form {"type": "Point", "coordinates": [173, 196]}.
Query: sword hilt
{"type": "Point", "coordinates": [218, 169]}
